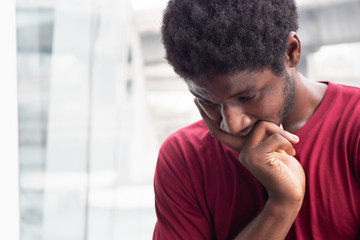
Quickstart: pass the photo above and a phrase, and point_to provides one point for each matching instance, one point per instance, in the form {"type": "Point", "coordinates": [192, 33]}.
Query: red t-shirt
{"type": "Point", "coordinates": [202, 191]}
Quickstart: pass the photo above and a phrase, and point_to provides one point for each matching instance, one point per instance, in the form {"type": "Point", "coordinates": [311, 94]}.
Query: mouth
{"type": "Point", "coordinates": [245, 132]}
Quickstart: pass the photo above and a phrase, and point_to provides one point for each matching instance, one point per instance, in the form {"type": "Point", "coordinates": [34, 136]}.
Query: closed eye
{"type": "Point", "coordinates": [247, 98]}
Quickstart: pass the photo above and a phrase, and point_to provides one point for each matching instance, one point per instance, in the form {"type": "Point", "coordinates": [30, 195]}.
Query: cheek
{"type": "Point", "coordinates": [270, 110]}
{"type": "Point", "coordinates": [212, 112]}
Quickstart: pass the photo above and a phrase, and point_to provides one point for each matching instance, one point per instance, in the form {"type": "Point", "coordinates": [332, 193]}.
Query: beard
{"type": "Point", "coordinates": [289, 95]}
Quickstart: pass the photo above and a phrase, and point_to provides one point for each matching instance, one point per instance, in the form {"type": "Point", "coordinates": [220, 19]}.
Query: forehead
{"type": "Point", "coordinates": [225, 85]}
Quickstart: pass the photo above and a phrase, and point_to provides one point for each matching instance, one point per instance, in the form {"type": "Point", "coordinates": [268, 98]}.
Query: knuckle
{"type": "Point", "coordinates": [278, 137]}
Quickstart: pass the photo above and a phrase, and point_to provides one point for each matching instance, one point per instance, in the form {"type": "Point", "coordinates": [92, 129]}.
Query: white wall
{"type": "Point", "coordinates": [9, 167]}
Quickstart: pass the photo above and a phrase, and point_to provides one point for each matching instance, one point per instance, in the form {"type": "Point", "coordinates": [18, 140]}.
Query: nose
{"type": "Point", "coordinates": [234, 120]}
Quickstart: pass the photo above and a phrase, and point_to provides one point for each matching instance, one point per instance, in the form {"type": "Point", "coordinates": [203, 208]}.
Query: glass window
{"type": "Point", "coordinates": [96, 99]}
{"type": "Point", "coordinates": [87, 146]}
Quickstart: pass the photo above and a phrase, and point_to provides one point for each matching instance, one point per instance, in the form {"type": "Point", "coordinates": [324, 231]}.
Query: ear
{"type": "Point", "coordinates": [293, 54]}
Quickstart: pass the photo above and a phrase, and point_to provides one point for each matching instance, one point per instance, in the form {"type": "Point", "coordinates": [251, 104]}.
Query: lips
{"type": "Point", "coordinates": [245, 132]}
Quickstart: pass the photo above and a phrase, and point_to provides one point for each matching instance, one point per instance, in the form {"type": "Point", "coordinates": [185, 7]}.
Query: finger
{"type": "Point", "coordinates": [268, 152]}
{"type": "Point", "coordinates": [277, 143]}
{"type": "Point", "coordinates": [263, 129]}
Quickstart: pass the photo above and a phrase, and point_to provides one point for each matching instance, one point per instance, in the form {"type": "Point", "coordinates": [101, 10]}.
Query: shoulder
{"type": "Point", "coordinates": [352, 119]}
{"type": "Point", "coordinates": [193, 138]}
{"type": "Point", "coordinates": [342, 102]}
{"type": "Point", "coordinates": [190, 150]}
{"type": "Point", "coordinates": [345, 105]}
{"type": "Point", "coordinates": [176, 184]}
{"type": "Point", "coordinates": [193, 132]}
{"type": "Point", "coordinates": [348, 95]}
{"type": "Point", "coordinates": [348, 102]}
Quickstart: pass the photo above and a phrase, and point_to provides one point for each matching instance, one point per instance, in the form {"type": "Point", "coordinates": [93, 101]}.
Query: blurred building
{"type": "Point", "coordinates": [97, 98]}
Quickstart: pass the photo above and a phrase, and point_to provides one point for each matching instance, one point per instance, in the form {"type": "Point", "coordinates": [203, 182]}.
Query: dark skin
{"type": "Point", "coordinates": [250, 112]}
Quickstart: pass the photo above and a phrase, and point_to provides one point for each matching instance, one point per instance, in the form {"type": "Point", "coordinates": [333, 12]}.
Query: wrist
{"type": "Point", "coordinates": [291, 199]}
{"type": "Point", "coordinates": [284, 208]}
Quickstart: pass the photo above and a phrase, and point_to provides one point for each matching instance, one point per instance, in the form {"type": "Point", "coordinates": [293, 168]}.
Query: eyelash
{"type": "Point", "coordinates": [247, 98]}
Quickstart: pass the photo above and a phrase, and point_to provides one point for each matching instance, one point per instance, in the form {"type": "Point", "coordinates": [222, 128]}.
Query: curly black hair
{"type": "Point", "coordinates": [203, 38]}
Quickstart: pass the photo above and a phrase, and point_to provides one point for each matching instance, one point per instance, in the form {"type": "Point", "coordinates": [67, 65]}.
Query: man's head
{"type": "Point", "coordinates": [238, 58]}
{"type": "Point", "coordinates": [204, 38]}
{"type": "Point", "coordinates": [236, 102]}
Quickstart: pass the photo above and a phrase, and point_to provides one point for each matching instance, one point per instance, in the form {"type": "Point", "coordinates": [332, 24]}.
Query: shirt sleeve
{"type": "Point", "coordinates": [357, 164]}
{"type": "Point", "coordinates": [178, 212]}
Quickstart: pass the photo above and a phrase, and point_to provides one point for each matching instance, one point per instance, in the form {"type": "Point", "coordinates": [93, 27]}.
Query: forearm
{"type": "Point", "coordinates": [267, 152]}
{"type": "Point", "coordinates": [272, 223]}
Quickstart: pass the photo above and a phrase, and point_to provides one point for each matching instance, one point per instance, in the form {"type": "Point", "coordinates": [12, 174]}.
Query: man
{"type": "Point", "coordinates": [241, 172]}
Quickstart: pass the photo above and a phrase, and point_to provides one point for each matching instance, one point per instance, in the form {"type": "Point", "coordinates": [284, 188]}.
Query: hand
{"type": "Point", "coordinates": [268, 154]}
{"type": "Point", "coordinates": [216, 132]}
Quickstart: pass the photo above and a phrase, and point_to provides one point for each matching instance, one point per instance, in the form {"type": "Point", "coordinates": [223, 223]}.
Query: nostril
{"type": "Point", "coordinates": [240, 126]}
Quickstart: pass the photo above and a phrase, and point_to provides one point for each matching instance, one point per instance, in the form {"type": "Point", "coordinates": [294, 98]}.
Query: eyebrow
{"type": "Point", "coordinates": [242, 92]}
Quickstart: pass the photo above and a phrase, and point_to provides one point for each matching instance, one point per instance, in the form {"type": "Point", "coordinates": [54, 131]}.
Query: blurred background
{"type": "Point", "coordinates": [96, 99]}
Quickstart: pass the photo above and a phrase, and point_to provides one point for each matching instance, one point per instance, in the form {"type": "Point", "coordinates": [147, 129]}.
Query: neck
{"type": "Point", "coordinates": [308, 96]}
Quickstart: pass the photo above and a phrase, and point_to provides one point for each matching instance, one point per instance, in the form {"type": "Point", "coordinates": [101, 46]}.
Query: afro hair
{"type": "Point", "coordinates": [203, 38]}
